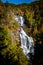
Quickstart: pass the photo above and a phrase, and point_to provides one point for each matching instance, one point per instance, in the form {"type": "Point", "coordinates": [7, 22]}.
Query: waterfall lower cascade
{"type": "Point", "coordinates": [27, 43]}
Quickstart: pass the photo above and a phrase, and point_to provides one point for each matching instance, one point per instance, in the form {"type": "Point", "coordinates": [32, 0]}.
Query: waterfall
{"type": "Point", "coordinates": [27, 43]}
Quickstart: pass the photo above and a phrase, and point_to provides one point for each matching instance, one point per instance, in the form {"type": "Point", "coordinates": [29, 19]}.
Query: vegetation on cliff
{"type": "Point", "coordinates": [10, 51]}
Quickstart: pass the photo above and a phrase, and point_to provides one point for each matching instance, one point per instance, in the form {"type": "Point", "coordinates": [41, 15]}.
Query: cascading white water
{"type": "Point", "coordinates": [27, 43]}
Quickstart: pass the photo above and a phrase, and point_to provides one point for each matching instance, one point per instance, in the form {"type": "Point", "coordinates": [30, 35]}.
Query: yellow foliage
{"type": "Point", "coordinates": [41, 29]}
{"type": "Point", "coordinates": [35, 31]}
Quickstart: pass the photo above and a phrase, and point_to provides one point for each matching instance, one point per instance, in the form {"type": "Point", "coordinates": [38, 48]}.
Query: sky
{"type": "Point", "coordinates": [18, 1]}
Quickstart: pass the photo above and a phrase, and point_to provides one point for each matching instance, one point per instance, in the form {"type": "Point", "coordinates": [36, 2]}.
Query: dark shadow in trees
{"type": "Point", "coordinates": [38, 57]}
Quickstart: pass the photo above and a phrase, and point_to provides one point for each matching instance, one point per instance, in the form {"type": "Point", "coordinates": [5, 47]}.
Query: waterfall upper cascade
{"type": "Point", "coordinates": [27, 43]}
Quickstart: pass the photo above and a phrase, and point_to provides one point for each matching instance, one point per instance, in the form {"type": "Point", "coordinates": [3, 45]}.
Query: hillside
{"type": "Point", "coordinates": [9, 32]}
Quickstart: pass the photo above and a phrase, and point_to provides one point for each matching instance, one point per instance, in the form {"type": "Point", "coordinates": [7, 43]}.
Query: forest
{"type": "Point", "coordinates": [10, 51]}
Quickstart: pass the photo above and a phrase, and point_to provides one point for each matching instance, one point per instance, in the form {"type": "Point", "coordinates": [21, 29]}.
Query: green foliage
{"type": "Point", "coordinates": [12, 53]}
{"type": "Point", "coordinates": [16, 55]}
{"type": "Point", "coordinates": [5, 38]}
{"type": "Point", "coordinates": [15, 25]}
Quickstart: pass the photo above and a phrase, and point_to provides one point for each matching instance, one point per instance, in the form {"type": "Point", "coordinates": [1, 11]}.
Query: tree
{"type": "Point", "coordinates": [5, 41]}
{"type": "Point", "coordinates": [10, 54]}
